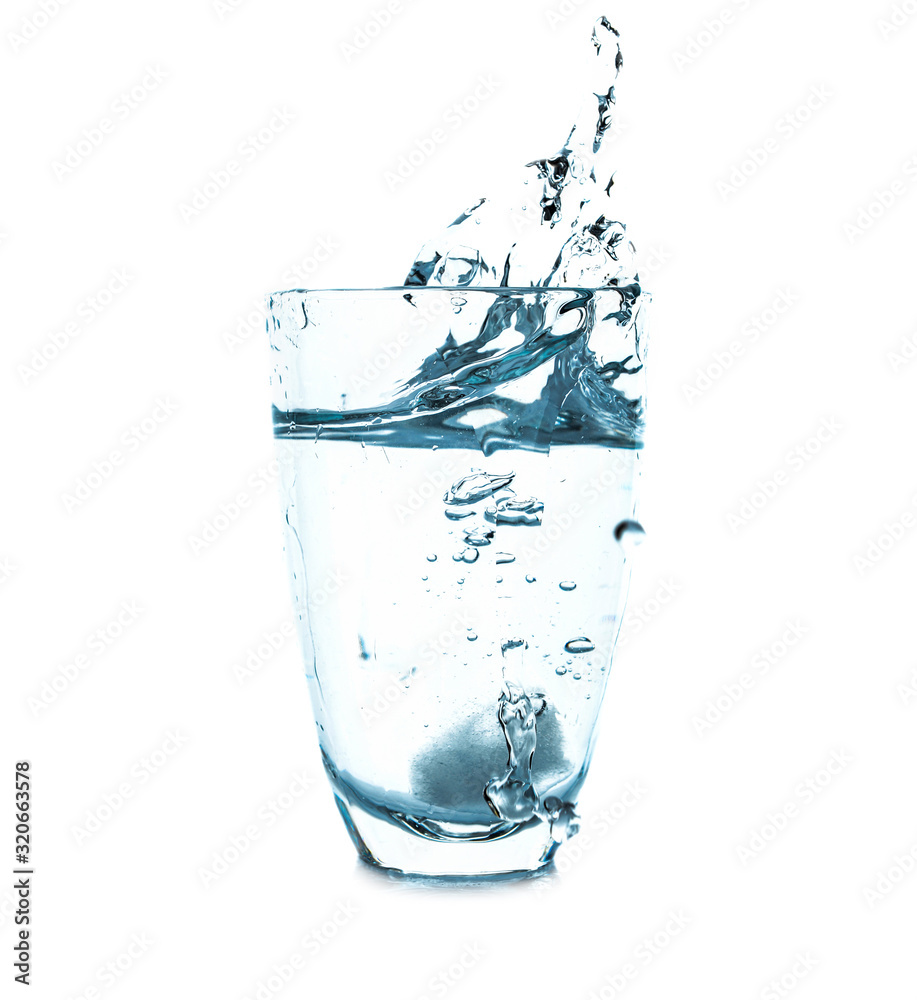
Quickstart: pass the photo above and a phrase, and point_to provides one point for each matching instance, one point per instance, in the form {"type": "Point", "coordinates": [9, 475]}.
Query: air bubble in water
{"type": "Point", "coordinates": [479, 537]}
{"type": "Point", "coordinates": [530, 578]}
{"type": "Point", "coordinates": [458, 515]}
{"type": "Point", "coordinates": [512, 644]}
{"type": "Point", "coordinates": [471, 637]}
{"type": "Point", "coordinates": [567, 585]}
{"type": "Point", "coordinates": [516, 510]}
{"type": "Point", "coordinates": [561, 670]}
{"type": "Point", "coordinates": [431, 557]}
{"type": "Point", "coordinates": [505, 557]}
{"type": "Point", "coordinates": [476, 486]}
{"type": "Point", "coordinates": [580, 645]}
{"type": "Point", "coordinates": [629, 534]}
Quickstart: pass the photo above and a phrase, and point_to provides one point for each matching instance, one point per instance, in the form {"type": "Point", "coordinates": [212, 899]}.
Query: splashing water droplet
{"type": "Point", "coordinates": [513, 644]}
{"type": "Point", "coordinates": [567, 585]}
{"type": "Point", "coordinates": [629, 534]}
{"type": "Point", "coordinates": [580, 645]}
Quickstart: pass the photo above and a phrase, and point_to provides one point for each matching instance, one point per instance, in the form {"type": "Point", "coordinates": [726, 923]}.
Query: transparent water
{"type": "Point", "coordinates": [446, 702]}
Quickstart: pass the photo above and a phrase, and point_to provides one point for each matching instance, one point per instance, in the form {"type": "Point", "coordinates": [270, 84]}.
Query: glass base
{"type": "Point", "coordinates": [385, 845]}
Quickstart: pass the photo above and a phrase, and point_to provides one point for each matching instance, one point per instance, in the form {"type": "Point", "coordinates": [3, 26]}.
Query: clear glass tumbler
{"type": "Point", "coordinates": [457, 476]}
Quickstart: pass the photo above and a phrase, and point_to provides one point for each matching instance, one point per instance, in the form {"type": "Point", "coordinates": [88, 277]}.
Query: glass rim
{"type": "Point", "coordinates": [454, 289]}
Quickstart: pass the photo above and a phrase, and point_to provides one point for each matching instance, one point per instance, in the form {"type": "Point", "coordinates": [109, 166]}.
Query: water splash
{"type": "Point", "coordinates": [562, 236]}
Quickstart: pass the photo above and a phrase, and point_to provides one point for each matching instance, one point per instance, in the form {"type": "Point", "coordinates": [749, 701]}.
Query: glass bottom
{"type": "Point", "coordinates": [526, 848]}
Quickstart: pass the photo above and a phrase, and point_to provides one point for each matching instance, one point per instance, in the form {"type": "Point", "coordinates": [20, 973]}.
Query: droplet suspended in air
{"type": "Point", "coordinates": [567, 585]}
{"type": "Point", "coordinates": [629, 534]}
{"type": "Point", "coordinates": [580, 645]}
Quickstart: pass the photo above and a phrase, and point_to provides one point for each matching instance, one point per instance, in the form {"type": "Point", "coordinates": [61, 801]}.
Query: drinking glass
{"type": "Point", "coordinates": [457, 477]}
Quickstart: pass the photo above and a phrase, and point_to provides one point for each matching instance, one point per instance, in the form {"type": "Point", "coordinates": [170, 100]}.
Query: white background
{"type": "Point", "coordinates": [837, 359]}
